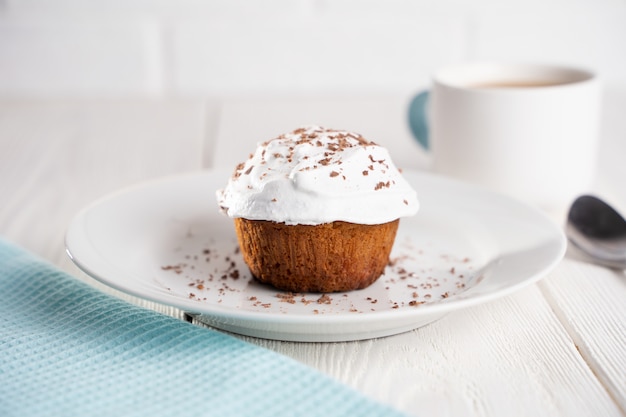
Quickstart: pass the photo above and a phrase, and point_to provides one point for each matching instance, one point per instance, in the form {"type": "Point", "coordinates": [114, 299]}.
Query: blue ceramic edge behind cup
{"type": "Point", "coordinates": [417, 118]}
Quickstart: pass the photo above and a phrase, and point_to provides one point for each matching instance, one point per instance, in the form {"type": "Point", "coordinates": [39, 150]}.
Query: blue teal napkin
{"type": "Point", "coordinates": [67, 349]}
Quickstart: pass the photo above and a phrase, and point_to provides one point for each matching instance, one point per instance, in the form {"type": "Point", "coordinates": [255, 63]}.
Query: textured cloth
{"type": "Point", "coordinates": [67, 349]}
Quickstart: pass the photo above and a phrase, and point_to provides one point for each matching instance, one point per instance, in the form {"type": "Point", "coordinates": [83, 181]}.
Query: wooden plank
{"type": "Point", "coordinates": [590, 302]}
{"type": "Point", "coordinates": [58, 156]}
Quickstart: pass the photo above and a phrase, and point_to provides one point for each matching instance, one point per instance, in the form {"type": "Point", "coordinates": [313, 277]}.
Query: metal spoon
{"type": "Point", "coordinates": [598, 230]}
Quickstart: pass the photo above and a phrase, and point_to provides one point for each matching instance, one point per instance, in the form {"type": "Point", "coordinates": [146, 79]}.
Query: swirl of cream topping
{"type": "Point", "coordinates": [315, 175]}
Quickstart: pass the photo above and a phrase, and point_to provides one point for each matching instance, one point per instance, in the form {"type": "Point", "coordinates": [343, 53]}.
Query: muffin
{"type": "Point", "coordinates": [317, 210]}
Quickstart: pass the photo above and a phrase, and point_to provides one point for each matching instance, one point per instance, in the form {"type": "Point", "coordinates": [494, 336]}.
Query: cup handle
{"type": "Point", "coordinates": [417, 118]}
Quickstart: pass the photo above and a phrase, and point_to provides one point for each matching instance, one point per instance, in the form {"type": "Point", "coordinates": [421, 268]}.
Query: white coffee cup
{"type": "Point", "coordinates": [530, 131]}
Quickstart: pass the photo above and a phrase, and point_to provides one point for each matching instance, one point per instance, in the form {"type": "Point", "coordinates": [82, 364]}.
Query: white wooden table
{"type": "Point", "coordinates": [557, 348]}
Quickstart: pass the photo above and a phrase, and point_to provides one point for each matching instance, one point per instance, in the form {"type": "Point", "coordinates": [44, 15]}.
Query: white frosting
{"type": "Point", "coordinates": [315, 175]}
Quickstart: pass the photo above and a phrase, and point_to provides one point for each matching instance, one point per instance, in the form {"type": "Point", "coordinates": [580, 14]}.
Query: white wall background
{"type": "Point", "coordinates": [204, 47]}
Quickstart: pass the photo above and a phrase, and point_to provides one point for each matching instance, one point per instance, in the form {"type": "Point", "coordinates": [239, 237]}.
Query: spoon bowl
{"type": "Point", "coordinates": [598, 230]}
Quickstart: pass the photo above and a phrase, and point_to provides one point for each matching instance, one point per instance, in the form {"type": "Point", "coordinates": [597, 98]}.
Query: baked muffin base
{"type": "Point", "coordinates": [330, 257]}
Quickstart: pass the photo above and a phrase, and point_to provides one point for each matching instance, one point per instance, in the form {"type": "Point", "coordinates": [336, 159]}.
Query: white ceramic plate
{"type": "Point", "coordinates": [165, 241]}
